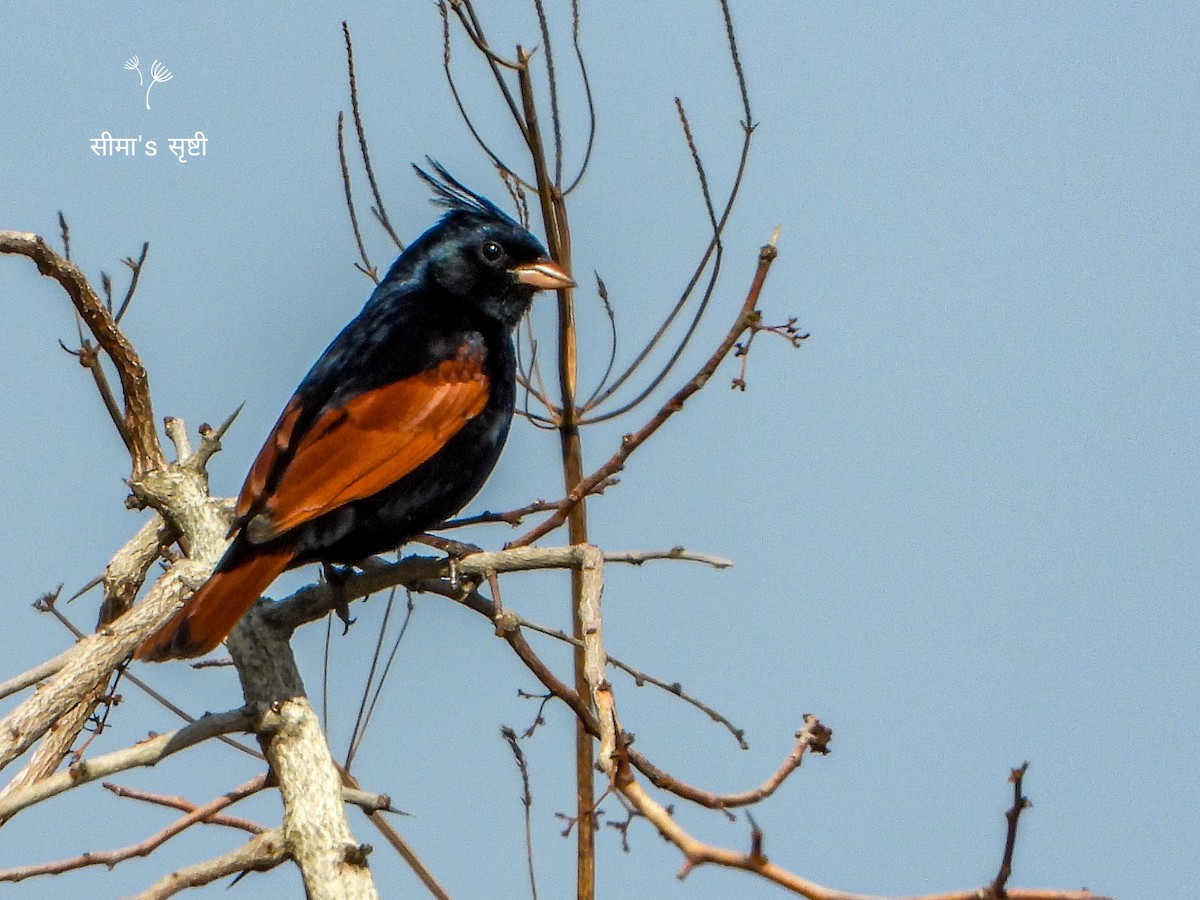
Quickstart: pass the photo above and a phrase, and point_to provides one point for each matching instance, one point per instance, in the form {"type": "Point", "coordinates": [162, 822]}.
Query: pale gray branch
{"type": "Point", "coordinates": [147, 753]}
{"type": "Point", "coordinates": [315, 830]}
{"type": "Point", "coordinates": [32, 676]}
{"type": "Point", "coordinates": [260, 853]}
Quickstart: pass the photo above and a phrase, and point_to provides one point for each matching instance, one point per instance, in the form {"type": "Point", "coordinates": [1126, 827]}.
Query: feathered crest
{"type": "Point", "coordinates": [453, 194]}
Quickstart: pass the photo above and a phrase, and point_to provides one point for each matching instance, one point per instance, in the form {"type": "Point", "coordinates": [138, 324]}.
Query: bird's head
{"type": "Point", "coordinates": [479, 255]}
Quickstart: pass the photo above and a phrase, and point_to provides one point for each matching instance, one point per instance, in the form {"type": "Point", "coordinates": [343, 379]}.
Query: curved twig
{"type": "Point", "coordinates": [138, 415]}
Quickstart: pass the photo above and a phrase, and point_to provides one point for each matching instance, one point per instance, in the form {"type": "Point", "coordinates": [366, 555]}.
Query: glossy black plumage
{"type": "Point", "coordinates": [397, 425]}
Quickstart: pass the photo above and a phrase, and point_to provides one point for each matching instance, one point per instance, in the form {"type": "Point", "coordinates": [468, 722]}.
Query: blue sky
{"type": "Point", "coordinates": [963, 515]}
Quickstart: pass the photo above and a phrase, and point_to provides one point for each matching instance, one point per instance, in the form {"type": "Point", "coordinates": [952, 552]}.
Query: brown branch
{"type": "Point", "coordinates": [512, 517]}
{"type": "Point", "coordinates": [641, 678]}
{"type": "Point", "coordinates": [138, 415]}
{"type": "Point", "coordinates": [89, 357]}
{"type": "Point", "coordinates": [465, 11]}
{"type": "Point", "coordinates": [182, 804]}
{"type": "Point", "coordinates": [812, 738]}
{"type": "Point", "coordinates": [458, 100]}
{"type": "Point", "coordinates": [1020, 803]}
{"type": "Point", "coordinates": [378, 209]}
{"type": "Point", "coordinates": [136, 268]}
{"type": "Point", "coordinates": [587, 94]}
{"type": "Point", "coordinates": [552, 83]}
{"type": "Point", "coordinates": [510, 738]}
{"type": "Point", "coordinates": [746, 317]}
{"type": "Point", "coordinates": [365, 267]}
{"type": "Point", "coordinates": [142, 848]}
{"type": "Point", "coordinates": [399, 844]}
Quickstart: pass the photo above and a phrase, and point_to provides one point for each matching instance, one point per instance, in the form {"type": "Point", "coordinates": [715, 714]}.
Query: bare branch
{"type": "Point", "coordinates": [136, 268]}
{"type": "Point", "coordinates": [552, 83]}
{"type": "Point", "coordinates": [1020, 804]}
{"type": "Point", "coordinates": [458, 101]}
{"type": "Point", "coordinates": [365, 267]}
{"type": "Point", "coordinates": [147, 753]}
{"type": "Point", "coordinates": [139, 412]}
{"type": "Point", "coordinates": [142, 848]}
{"type": "Point", "coordinates": [33, 676]}
{"type": "Point", "coordinates": [182, 804]}
{"type": "Point", "coordinates": [510, 738]}
{"type": "Point", "coordinates": [746, 316]}
{"type": "Point", "coordinates": [379, 210]}
{"type": "Point", "coordinates": [400, 845]}
{"type": "Point", "coordinates": [259, 854]}
{"type": "Point", "coordinates": [587, 93]}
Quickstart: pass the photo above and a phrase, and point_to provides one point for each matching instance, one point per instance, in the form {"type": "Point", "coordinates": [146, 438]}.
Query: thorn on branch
{"type": "Point", "coordinates": [756, 841]}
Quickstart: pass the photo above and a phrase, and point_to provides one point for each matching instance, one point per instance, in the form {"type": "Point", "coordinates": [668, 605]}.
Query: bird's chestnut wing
{"type": "Point", "coordinates": [360, 447]}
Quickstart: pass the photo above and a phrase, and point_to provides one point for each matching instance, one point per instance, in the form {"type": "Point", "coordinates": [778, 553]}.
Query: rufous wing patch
{"type": "Point", "coordinates": [371, 442]}
{"type": "Point", "coordinates": [274, 450]}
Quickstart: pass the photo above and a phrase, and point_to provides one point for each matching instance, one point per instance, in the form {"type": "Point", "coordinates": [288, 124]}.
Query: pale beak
{"type": "Point", "coordinates": [544, 275]}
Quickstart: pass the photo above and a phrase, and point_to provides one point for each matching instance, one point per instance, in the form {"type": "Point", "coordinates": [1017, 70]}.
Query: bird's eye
{"type": "Point", "coordinates": [491, 251]}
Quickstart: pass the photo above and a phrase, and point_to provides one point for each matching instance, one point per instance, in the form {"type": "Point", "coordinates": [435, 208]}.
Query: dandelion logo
{"type": "Point", "coordinates": [158, 74]}
{"type": "Point", "coordinates": [132, 65]}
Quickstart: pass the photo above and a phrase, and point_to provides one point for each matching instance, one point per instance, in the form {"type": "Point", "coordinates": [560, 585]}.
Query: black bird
{"type": "Point", "coordinates": [398, 424]}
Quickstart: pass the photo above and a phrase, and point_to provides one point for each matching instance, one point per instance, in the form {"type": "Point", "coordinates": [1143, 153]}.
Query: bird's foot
{"type": "Point", "coordinates": [336, 577]}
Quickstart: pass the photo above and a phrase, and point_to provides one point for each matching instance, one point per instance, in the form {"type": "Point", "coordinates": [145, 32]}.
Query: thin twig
{"type": "Point", "coordinates": [136, 268]}
{"type": "Point", "coordinates": [510, 737]}
{"type": "Point", "coordinates": [180, 803]}
{"type": "Point", "coordinates": [641, 678]}
{"type": "Point", "coordinates": [587, 93]}
{"type": "Point", "coordinates": [1020, 804]}
{"type": "Point", "coordinates": [379, 210]}
{"type": "Point", "coordinates": [458, 101]}
{"type": "Point", "coordinates": [364, 719]}
{"type": "Point", "coordinates": [631, 442]}
{"type": "Point", "coordinates": [513, 517]}
{"type": "Point", "coordinates": [552, 82]}
{"type": "Point", "coordinates": [142, 848]}
{"type": "Point", "coordinates": [65, 231]}
{"type": "Point", "coordinates": [714, 251]}
{"type": "Point", "coordinates": [365, 267]}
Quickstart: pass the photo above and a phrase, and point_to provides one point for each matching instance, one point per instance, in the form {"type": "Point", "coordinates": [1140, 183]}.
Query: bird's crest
{"type": "Point", "coordinates": [453, 194]}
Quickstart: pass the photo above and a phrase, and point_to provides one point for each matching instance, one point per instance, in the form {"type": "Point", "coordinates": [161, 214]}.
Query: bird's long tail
{"type": "Point", "coordinates": [211, 613]}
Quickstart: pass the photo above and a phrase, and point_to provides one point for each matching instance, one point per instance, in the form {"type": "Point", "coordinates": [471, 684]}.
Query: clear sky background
{"type": "Point", "coordinates": [963, 515]}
